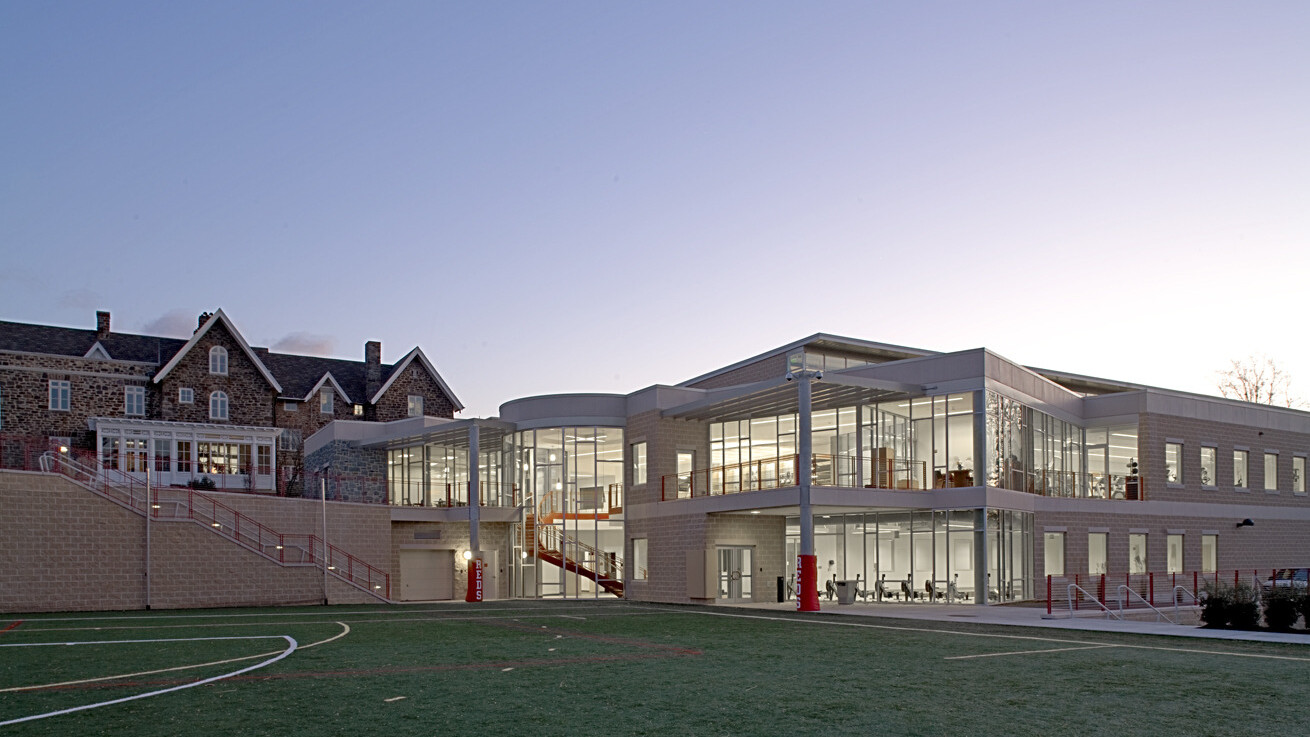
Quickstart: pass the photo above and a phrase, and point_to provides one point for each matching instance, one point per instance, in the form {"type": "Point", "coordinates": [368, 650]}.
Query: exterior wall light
{"type": "Point", "coordinates": [1246, 523]}
{"type": "Point", "coordinates": [468, 555]}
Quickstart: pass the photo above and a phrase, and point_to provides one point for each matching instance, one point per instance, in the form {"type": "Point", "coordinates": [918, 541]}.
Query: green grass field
{"type": "Point", "coordinates": [559, 668]}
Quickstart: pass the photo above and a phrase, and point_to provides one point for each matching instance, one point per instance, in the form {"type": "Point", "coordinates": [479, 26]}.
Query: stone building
{"type": "Point", "coordinates": [210, 406]}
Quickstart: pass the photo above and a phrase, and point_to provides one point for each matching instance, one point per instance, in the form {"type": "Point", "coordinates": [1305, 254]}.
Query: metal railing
{"type": "Point", "coordinates": [1073, 484]}
{"type": "Point", "coordinates": [1150, 589]}
{"type": "Point", "coordinates": [778, 473]}
{"type": "Point", "coordinates": [180, 504]}
{"type": "Point", "coordinates": [606, 566]}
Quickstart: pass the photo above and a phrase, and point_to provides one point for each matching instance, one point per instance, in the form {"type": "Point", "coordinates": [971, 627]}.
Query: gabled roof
{"type": "Point", "coordinates": [328, 379]}
{"type": "Point", "coordinates": [98, 351]}
{"type": "Point", "coordinates": [400, 367]}
{"type": "Point", "coordinates": [56, 341]}
{"type": "Point", "coordinates": [300, 376]}
{"type": "Point", "coordinates": [870, 350]}
{"type": "Point", "coordinates": [213, 320]}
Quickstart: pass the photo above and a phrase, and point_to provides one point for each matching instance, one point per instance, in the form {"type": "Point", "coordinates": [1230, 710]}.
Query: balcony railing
{"type": "Point", "coordinates": [1131, 487]}
{"type": "Point", "coordinates": [777, 473]}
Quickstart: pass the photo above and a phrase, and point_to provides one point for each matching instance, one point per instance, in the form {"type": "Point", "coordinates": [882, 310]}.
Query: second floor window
{"type": "Point", "coordinates": [186, 395]}
{"type": "Point", "coordinates": [415, 406]}
{"type": "Point", "coordinates": [134, 400]}
{"type": "Point", "coordinates": [60, 393]}
{"type": "Point", "coordinates": [325, 398]}
{"type": "Point", "coordinates": [218, 406]}
{"type": "Point", "coordinates": [218, 360]}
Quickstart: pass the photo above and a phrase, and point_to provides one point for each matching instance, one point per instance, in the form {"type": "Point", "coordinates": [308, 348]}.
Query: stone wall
{"type": "Point", "coordinates": [354, 474]}
{"type": "Point", "coordinates": [250, 396]}
{"type": "Point", "coordinates": [96, 390]}
{"type": "Point", "coordinates": [394, 404]}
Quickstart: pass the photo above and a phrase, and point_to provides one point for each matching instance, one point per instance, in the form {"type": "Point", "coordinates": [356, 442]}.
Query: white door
{"type": "Point", "coordinates": [426, 575]}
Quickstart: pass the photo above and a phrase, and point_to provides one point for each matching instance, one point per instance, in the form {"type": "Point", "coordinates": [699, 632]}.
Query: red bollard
{"type": "Point", "coordinates": [807, 589]}
{"type": "Point", "coordinates": [475, 581]}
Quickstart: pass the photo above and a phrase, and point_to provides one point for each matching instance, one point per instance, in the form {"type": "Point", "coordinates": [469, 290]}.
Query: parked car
{"type": "Point", "coordinates": [1294, 578]}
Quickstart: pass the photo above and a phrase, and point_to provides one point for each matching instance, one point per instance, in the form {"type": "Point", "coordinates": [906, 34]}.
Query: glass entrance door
{"type": "Point", "coordinates": [735, 573]}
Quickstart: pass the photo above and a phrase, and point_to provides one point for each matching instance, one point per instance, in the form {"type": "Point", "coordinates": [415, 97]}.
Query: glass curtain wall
{"type": "Point", "coordinates": [922, 555]}
{"type": "Point", "coordinates": [437, 475]}
{"type": "Point", "coordinates": [571, 483]}
{"type": "Point", "coordinates": [1031, 451]}
{"type": "Point", "coordinates": [905, 444]}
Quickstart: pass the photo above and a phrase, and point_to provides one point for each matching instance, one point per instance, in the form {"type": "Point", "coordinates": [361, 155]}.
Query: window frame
{"type": "Point", "coordinates": [134, 398]}
{"type": "Point", "coordinates": [186, 395]}
{"type": "Point", "coordinates": [1213, 467]}
{"type": "Point", "coordinates": [414, 405]}
{"type": "Point", "coordinates": [1298, 475]}
{"type": "Point", "coordinates": [60, 395]}
{"type": "Point", "coordinates": [640, 556]}
{"type": "Point", "coordinates": [218, 361]}
{"type": "Point", "coordinates": [219, 405]}
{"type": "Point", "coordinates": [1173, 470]}
{"type": "Point", "coordinates": [639, 462]}
{"type": "Point", "coordinates": [1271, 479]}
{"type": "Point", "coordinates": [1211, 565]}
{"type": "Point", "coordinates": [326, 401]}
{"type": "Point", "coordinates": [1245, 480]}
{"type": "Point", "coordinates": [1169, 563]}
{"type": "Point", "coordinates": [1057, 537]}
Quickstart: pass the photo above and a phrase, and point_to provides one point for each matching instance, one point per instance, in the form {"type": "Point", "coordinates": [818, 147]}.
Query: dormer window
{"type": "Point", "coordinates": [325, 399]}
{"type": "Point", "coordinates": [218, 360]}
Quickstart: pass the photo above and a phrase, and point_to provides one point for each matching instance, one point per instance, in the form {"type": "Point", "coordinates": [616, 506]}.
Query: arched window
{"type": "Point", "coordinates": [218, 406]}
{"type": "Point", "coordinates": [218, 360]}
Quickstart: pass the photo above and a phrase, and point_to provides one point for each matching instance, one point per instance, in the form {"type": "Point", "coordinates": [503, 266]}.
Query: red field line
{"type": "Point", "coordinates": [15, 624]}
{"type": "Point", "coordinates": [608, 639]}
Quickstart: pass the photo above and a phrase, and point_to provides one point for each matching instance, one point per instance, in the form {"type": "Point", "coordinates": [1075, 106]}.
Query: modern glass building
{"type": "Point", "coordinates": [946, 477]}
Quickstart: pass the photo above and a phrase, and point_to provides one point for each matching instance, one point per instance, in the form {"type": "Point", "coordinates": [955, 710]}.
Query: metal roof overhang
{"type": "Point", "coordinates": [779, 396]}
{"type": "Point", "coordinates": [454, 434]}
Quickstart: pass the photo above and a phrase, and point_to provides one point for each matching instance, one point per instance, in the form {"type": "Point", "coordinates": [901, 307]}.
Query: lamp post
{"type": "Point", "coordinates": [322, 490]}
{"type": "Point", "coordinates": [807, 565]}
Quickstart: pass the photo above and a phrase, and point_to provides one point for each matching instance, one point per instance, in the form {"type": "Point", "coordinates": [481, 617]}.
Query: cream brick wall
{"type": "Point", "coordinates": [63, 548]}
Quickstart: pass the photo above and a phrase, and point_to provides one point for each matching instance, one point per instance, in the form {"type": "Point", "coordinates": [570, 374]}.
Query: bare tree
{"type": "Point", "coordinates": [1258, 379]}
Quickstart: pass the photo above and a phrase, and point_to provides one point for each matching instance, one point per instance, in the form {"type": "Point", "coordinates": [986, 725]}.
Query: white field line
{"type": "Point", "coordinates": [291, 647]}
{"type": "Point", "coordinates": [1027, 652]}
{"type": "Point", "coordinates": [345, 630]}
{"type": "Point", "coordinates": [454, 606]}
{"type": "Point", "coordinates": [1186, 650]}
{"type": "Point", "coordinates": [468, 618]}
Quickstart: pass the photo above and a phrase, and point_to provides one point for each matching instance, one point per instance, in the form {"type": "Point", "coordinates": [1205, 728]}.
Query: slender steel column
{"type": "Point", "coordinates": [474, 593]}
{"type": "Point", "coordinates": [807, 567]}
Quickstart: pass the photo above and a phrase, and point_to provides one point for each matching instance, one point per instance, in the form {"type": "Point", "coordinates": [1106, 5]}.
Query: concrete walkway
{"type": "Point", "coordinates": [1033, 616]}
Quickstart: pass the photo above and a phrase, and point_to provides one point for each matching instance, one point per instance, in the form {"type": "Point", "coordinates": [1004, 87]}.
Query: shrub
{"type": "Point", "coordinates": [1214, 607]}
{"type": "Point", "coordinates": [1244, 611]}
{"type": "Point", "coordinates": [1281, 609]}
{"type": "Point", "coordinates": [203, 483]}
{"type": "Point", "coordinates": [1303, 606]}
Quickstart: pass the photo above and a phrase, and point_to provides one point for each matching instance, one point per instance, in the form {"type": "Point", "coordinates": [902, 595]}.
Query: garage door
{"type": "Point", "coordinates": [426, 575]}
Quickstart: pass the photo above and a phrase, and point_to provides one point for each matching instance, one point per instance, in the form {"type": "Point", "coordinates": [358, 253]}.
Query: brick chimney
{"type": "Point", "coordinates": [102, 325]}
{"type": "Point", "coordinates": [372, 367]}
{"type": "Point", "coordinates": [200, 321]}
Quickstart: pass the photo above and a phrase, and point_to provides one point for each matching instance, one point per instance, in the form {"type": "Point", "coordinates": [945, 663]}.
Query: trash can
{"type": "Point", "coordinates": [845, 592]}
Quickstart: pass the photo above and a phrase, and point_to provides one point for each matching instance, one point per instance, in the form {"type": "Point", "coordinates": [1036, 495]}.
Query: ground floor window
{"type": "Point", "coordinates": [1097, 547]}
{"type": "Point", "coordinates": [1053, 543]}
{"type": "Point", "coordinates": [1209, 553]}
{"type": "Point", "coordinates": [924, 555]}
{"type": "Point", "coordinates": [1137, 553]}
{"type": "Point", "coordinates": [640, 553]}
{"type": "Point", "coordinates": [1174, 550]}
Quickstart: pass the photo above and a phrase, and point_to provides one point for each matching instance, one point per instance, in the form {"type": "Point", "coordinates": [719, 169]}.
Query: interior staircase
{"type": "Point", "coordinates": [555, 546]}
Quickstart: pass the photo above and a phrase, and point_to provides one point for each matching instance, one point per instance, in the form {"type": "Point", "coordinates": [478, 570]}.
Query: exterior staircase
{"type": "Point", "coordinates": [186, 505]}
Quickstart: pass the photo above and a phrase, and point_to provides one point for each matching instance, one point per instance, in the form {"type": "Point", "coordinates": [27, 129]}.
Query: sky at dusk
{"type": "Point", "coordinates": [599, 196]}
